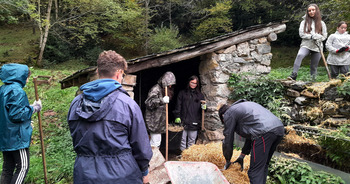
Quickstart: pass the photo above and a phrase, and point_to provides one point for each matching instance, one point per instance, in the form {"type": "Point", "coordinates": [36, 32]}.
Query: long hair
{"type": "Point", "coordinates": [317, 19]}
{"type": "Point", "coordinates": [193, 77]}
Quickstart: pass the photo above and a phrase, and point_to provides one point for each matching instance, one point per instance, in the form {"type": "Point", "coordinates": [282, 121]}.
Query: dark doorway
{"type": "Point", "coordinates": [146, 79]}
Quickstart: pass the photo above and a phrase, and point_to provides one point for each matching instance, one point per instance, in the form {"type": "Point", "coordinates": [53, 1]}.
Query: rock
{"type": "Point", "coordinates": [298, 85]}
{"type": "Point", "coordinates": [263, 48]}
{"type": "Point", "coordinates": [309, 94]}
{"type": "Point", "coordinates": [301, 100]}
{"type": "Point", "coordinates": [293, 93]}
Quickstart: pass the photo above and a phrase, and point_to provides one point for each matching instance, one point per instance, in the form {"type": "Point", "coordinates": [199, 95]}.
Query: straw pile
{"type": "Point", "coordinates": [175, 128]}
{"type": "Point", "coordinates": [293, 138]}
{"type": "Point", "coordinates": [212, 152]}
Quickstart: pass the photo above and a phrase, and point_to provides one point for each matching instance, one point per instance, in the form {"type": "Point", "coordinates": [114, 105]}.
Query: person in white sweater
{"type": "Point", "coordinates": [338, 47]}
{"type": "Point", "coordinates": [313, 31]}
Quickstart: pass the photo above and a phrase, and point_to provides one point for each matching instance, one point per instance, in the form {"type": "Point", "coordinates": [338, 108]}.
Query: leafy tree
{"type": "Point", "coordinates": [94, 25]}
{"type": "Point", "coordinates": [164, 39]}
{"type": "Point", "coordinates": [216, 23]}
{"type": "Point", "coordinates": [335, 11]}
{"type": "Point", "coordinates": [11, 11]}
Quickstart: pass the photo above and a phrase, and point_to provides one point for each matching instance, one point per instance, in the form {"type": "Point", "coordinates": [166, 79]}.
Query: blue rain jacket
{"type": "Point", "coordinates": [109, 135]}
{"type": "Point", "coordinates": [15, 111]}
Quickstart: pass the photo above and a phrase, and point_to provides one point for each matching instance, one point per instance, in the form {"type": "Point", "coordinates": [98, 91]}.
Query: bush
{"type": "Point", "coordinates": [57, 50]}
{"type": "Point", "coordinates": [262, 90]}
{"type": "Point", "coordinates": [165, 39]}
{"type": "Point", "coordinates": [337, 144]}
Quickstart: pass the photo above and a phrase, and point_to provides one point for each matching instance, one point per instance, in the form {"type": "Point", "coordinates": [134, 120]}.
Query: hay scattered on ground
{"type": "Point", "coordinates": [293, 138]}
{"type": "Point", "coordinates": [175, 128]}
{"type": "Point", "coordinates": [212, 152]}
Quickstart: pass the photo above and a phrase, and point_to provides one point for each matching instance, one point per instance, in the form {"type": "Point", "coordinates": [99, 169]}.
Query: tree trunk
{"type": "Point", "coordinates": [56, 8]}
{"type": "Point", "coordinates": [47, 27]}
{"type": "Point", "coordinates": [39, 25]}
{"type": "Point", "coordinates": [146, 25]}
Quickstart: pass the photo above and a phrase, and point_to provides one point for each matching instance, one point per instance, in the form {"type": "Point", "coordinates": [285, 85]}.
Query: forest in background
{"type": "Point", "coordinates": [81, 29]}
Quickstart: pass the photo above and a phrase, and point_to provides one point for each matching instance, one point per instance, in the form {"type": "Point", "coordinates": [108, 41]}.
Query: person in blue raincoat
{"type": "Point", "coordinates": [15, 122]}
{"type": "Point", "coordinates": [108, 130]}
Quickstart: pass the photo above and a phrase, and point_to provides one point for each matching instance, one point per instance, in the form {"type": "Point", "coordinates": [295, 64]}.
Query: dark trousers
{"type": "Point", "coordinates": [338, 69]}
{"type": "Point", "coordinates": [15, 166]}
{"type": "Point", "coordinates": [261, 153]}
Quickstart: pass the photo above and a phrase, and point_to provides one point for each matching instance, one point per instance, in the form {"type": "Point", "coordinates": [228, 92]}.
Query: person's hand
{"type": "Point", "coordinates": [204, 106]}
{"type": "Point", "coordinates": [240, 161]}
{"type": "Point", "coordinates": [178, 120]}
{"type": "Point", "coordinates": [37, 106]}
{"type": "Point", "coordinates": [227, 165]}
{"type": "Point", "coordinates": [166, 99]}
{"type": "Point", "coordinates": [145, 179]}
{"type": "Point", "coordinates": [317, 37]}
{"type": "Point", "coordinates": [346, 48]}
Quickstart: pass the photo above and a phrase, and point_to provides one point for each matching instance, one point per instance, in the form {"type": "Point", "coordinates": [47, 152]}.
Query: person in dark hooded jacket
{"type": "Point", "coordinates": [263, 132]}
{"type": "Point", "coordinates": [188, 111]}
{"type": "Point", "coordinates": [155, 107]}
{"type": "Point", "coordinates": [108, 130]}
{"type": "Point", "coordinates": [15, 122]}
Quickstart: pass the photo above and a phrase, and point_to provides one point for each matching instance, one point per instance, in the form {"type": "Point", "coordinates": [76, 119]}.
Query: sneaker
{"type": "Point", "coordinates": [292, 76]}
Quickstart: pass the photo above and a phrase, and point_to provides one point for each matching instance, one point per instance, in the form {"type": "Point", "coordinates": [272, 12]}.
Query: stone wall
{"type": "Point", "coordinates": [317, 103]}
{"type": "Point", "coordinates": [253, 56]}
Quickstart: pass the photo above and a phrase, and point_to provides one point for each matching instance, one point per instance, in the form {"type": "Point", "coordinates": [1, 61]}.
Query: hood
{"type": "Point", "coordinates": [168, 79]}
{"type": "Point", "coordinates": [14, 73]}
{"type": "Point", "coordinates": [97, 89]}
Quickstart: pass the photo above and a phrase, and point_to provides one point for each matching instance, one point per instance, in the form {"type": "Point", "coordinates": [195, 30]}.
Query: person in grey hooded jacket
{"type": "Point", "coordinates": [313, 31]}
{"type": "Point", "coordinates": [338, 46]}
{"type": "Point", "coordinates": [15, 122]}
{"type": "Point", "coordinates": [108, 130]}
{"type": "Point", "coordinates": [155, 107]}
{"type": "Point", "coordinates": [262, 130]}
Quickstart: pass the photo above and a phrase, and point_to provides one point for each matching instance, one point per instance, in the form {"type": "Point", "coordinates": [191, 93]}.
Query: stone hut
{"type": "Point", "coordinates": [213, 60]}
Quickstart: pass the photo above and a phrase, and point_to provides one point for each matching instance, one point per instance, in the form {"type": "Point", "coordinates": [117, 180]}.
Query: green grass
{"type": "Point", "coordinates": [18, 43]}
{"type": "Point", "coordinates": [282, 65]}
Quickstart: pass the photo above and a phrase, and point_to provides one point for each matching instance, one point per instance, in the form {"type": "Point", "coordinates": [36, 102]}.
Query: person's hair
{"type": "Point", "coordinates": [193, 77]}
{"type": "Point", "coordinates": [109, 62]}
{"type": "Point", "coordinates": [222, 111]}
{"type": "Point", "coordinates": [341, 23]}
{"type": "Point", "coordinates": [317, 19]}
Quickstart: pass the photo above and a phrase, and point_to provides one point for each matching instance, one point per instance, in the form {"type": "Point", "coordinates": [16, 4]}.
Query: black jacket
{"type": "Point", "coordinates": [188, 109]}
{"type": "Point", "coordinates": [249, 120]}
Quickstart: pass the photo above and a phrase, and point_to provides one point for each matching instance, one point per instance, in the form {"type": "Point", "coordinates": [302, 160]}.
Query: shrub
{"type": "Point", "coordinates": [291, 171]}
{"type": "Point", "coordinates": [262, 90]}
{"type": "Point", "coordinates": [337, 144]}
{"type": "Point", "coordinates": [57, 50]}
{"type": "Point", "coordinates": [165, 39]}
